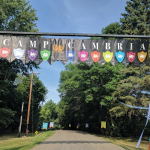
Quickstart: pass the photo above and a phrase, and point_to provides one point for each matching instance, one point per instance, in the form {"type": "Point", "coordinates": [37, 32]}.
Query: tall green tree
{"type": "Point", "coordinates": [112, 28]}
{"type": "Point", "coordinates": [48, 112]}
{"type": "Point", "coordinates": [8, 74]}
{"type": "Point", "coordinates": [21, 94]}
{"type": "Point", "coordinates": [133, 89]}
{"type": "Point", "coordinates": [17, 15]}
{"type": "Point", "coordinates": [136, 20]}
{"type": "Point", "coordinates": [86, 94]}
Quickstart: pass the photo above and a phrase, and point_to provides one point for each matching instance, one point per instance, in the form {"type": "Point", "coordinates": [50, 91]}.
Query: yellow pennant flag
{"type": "Point", "coordinates": [103, 124]}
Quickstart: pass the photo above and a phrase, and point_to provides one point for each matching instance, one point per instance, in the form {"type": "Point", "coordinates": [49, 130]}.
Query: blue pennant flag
{"type": "Point", "coordinates": [120, 56]}
{"type": "Point", "coordinates": [70, 55]}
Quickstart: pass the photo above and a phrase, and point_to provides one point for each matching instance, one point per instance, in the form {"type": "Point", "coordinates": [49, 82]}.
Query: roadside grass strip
{"type": "Point", "coordinates": [128, 143]}
{"type": "Point", "coordinates": [12, 142]}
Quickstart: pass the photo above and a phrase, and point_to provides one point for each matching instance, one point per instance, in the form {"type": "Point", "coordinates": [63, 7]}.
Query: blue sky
{"type": "Point", "coordinates": [72, 16]}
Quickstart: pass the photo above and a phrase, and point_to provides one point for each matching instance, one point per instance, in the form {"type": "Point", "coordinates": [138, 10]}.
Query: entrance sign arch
{"type": "Point", "coordinates": [86, 50]}
{"type": "Point", "coordinates": [40, 49]}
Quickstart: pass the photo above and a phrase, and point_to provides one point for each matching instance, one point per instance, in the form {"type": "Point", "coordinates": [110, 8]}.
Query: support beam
{"type": "Point", "coordinates": [72, 34]}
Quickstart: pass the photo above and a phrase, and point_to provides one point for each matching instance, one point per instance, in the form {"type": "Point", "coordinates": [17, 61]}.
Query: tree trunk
{"type": "Point", "coordinates": [112, 122]}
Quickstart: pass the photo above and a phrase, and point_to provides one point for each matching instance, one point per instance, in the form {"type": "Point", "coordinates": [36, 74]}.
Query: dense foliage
{"type": "Point", "coordinates": [88, 94]}
{"type": "Point", "coordinates": [48, 113]}
{"type": "Point", "coordinates": [13, 92]}
{"type": "Point", "coordinates": [112, 28]}
{"type": "Point", "coordinates": [16, 15]}
{"type": "Point", "coordinates": [136, 20]}
{"type": "Point", "coordinates": [38, 96]}
{"type": "Point", "coordinates": [92, 94]}
{"type": "Point", "coordinates": [8, 73]}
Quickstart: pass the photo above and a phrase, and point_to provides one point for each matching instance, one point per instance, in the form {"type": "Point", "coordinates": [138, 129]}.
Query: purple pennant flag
{"type": "Point", "coordinates": [32, 54]}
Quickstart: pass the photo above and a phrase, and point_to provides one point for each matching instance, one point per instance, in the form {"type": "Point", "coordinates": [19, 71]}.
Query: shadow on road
{"type": "Point", "coordinates": [72, 142]}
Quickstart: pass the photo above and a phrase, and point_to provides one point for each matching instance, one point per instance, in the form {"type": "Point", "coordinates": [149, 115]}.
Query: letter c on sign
{"type": "Point", "coordinates": [4, 42]}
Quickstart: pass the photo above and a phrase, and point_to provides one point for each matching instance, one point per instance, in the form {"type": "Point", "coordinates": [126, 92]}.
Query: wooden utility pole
{"type": "Point", "coordinates": [21, 120]}
{"type": "Point", "coordinates": [29, 103]}
{"type": "Point", "coordinates": [32, 117]}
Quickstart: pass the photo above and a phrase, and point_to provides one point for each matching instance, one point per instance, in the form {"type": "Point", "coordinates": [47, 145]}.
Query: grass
{"type": "Point", "coordinates": [128, 143]}
{"type": "Point", "coordinates": [12, 142]}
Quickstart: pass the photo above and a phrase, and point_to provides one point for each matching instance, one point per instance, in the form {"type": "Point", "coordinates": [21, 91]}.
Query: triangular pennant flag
{"type": "Point", "coordinates": [34, 45]}
{"type": "Point", "coordinates": [45, 54]}
{"type": "Point", "coordinates": [6, 45]}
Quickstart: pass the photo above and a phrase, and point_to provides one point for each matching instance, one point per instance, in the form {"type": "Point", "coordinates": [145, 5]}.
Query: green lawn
{"type": "Point", "coordinates": [12, 142]}
{"type": "Point", "coordinates": [128, 143]}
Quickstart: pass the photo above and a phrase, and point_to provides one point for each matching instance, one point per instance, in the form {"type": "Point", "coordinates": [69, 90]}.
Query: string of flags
{"type": "Point", "coordinates": [131, 106]}
{"type": "Point", "coordinates": [138, 107]}
{"type": "Point", "coordinates": [51, 125]}
{"type": "Point", "coordinates": [103, 125]}
{"type": "Point", "coordinates": [148, 115]}
{"type": "Point", "coordinates": [40, 49]}
{"type": "Point", "coordinates": [45, 125]}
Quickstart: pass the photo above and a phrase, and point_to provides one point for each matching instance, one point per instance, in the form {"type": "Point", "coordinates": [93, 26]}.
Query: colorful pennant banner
{"type": "Point", "coordinates": [45, 125]}
{"type": "Point", "coordinates": [40, 49]}
{"type": "Point", "coordinates": [51, 125]}
{"type": "Point", "coordinates": [103, 124]}
{"type": "Point", "coordinates": [86, 125]}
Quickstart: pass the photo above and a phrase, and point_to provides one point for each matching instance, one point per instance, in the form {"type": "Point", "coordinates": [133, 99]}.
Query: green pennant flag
{"type": "Point", "coordinates": [45, 54]}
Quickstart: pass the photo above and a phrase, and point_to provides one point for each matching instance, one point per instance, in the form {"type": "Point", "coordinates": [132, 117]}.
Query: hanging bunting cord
{"type": "Point", "coordinates": [148, 115]}
{"type": "Point", "coordinates": [136, 107]}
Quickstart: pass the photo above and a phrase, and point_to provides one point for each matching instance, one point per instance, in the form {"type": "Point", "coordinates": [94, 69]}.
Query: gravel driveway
{"type": "Point", "coordinates": [75, 140]}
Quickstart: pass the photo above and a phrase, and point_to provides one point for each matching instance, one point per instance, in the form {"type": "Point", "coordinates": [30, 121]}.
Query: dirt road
{"type": "Point", "coordinates": [75, 140]}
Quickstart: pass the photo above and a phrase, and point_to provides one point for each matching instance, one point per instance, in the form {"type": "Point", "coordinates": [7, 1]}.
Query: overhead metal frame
{"type": "Point", "coordinates": [73, 34]}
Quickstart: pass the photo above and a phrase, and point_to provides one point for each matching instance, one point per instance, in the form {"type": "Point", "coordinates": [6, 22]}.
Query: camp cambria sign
{"type": "Point", "coordinates": [77, 50]}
